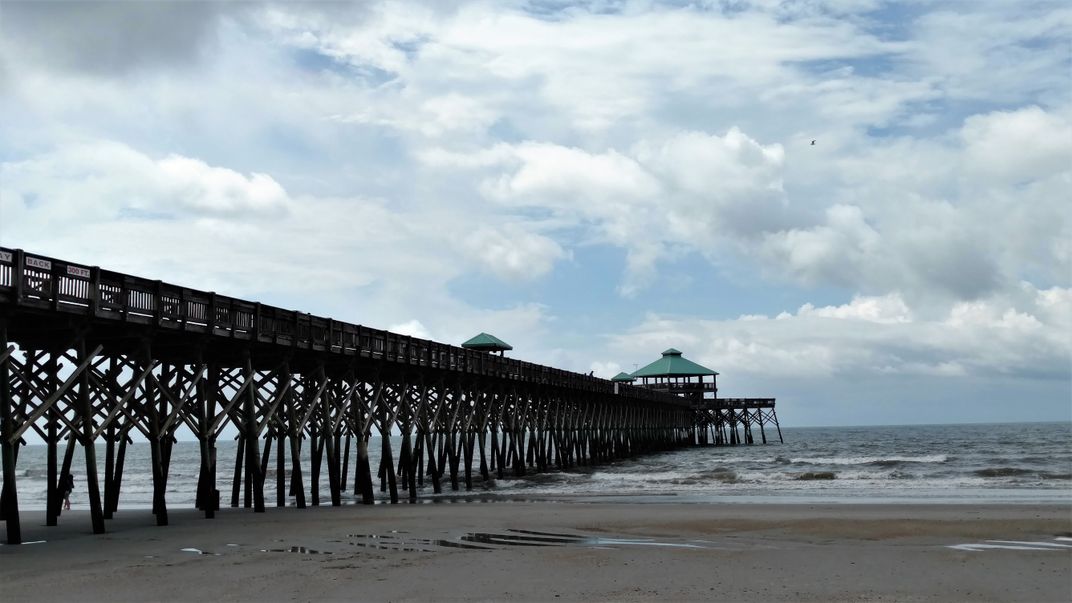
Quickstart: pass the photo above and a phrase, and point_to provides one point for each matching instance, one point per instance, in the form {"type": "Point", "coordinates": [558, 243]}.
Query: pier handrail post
{"type": "Point", "coordinates": [211, 318]}
{"type": "Point", "coordinates": [53, 286]}
{"type": "Point", "coordinates": [256, 326]}
{"type": "Point", "coordinates": [18, 274]}
{"type": "Point", "coordinates": [93, 294]}
{"type": "Point", "coordinates": [158, 307]}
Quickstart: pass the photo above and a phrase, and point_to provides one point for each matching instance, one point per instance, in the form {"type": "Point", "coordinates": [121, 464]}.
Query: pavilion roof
{"type": "Point", "coordinates": [487, 343]}
{"type": "Point", "coordinates": [672, 364]}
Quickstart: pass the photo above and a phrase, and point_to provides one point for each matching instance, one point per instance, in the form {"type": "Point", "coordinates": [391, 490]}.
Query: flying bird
{"type": "Point", "coordinates": [813, 143]}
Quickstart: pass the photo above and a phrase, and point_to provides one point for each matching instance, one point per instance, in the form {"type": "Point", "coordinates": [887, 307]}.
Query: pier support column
{"type": "Point", "coordinates": [52, 493]}
{"type": "Point", "coordinates": [331, 447]}
{"type": "Point", "coordinates": [410, 461]}
{"type": "Point", "coordinates": [252, 441]}
{"type": "Point", "coordinates": [86, 410]}
{"type": "Point", "coordinates": [297, 486]}
{"type": "Point", "coordinates": [762, 432]}
{"type": "Point", "coordinates": [387, 465]}
{"type": "Point", "coordinates": [364, 472]}
{"type": "Point", "coordinates": [281, 463]}
{"type": "Point", "coordinates": [345, 475]}
{"type": "Point", "coordinates": [316, 449]}
{"type": "Point", "coordinates": [117, 477]}
{"type": "Point", "coordinates": [155, 441]}
{"type": "Point", "coordinates": [207, 389]}
{"type": "Point", "coordinates": [109, 469]}
{"type": "Point", "coordinates": [9, 500]}
{"type": "Point", "coordinates": [433, 465]}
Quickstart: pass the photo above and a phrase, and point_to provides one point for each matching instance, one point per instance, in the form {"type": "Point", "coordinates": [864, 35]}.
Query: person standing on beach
{"type": "Point", "coordinates": [67, 483]}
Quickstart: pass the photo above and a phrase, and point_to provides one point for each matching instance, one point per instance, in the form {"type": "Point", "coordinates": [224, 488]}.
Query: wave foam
{"type": "Point", "coordinates": [869, 460]}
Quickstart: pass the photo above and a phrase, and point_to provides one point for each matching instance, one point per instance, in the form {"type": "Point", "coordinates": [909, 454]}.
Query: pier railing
{"type": "Point", "coordinates": [741, 403]}
{"type": "Point", "coordinates": [681, 388]}
{"type": "Point", "coordinates": [46, 283]}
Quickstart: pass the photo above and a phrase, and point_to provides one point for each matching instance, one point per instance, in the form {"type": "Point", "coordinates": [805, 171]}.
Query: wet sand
{"type": "Point", "coordinates": [553, 551]}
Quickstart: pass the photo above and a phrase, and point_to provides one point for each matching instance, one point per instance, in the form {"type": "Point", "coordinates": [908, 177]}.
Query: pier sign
{"type": "Point", "coordinates": [78, 271]}
{"type": "Point", "coordinates": [5, 256]}
{"type": "Point", "coordinates": [37, 263]}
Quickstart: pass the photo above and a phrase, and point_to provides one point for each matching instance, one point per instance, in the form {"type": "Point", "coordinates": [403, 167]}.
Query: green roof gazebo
{"type": "Point", "coordinates": [621, 378]}
{"type": "Point", "coordinates": [487, 343]}
{"type": "Point", "coordinates": [675, 374]}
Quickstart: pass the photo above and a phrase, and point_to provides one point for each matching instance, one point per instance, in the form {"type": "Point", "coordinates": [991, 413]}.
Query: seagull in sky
{"type": "Point", "coordinates": [813, 143]}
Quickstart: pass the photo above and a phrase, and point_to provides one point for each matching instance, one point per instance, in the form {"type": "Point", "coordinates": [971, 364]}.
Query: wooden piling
{"type": "Point", "coordinates": [96, 513]}
{"type": "Point", "coordinates": [364, 472]}
{"type": "Point", "coordinates": [281, 467]}
{"type": "Point", "coordinates": [9, 499]}
{"type": "Point", "coordinates": [236, 483]}
{"type": "Point", "coordinates": [53, 501]}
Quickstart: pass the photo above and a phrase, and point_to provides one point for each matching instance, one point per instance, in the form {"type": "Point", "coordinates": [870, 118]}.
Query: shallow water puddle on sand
{"type": "Point", "coordinates": [1014, 545]}
{"type": "Point", "coordinates": [1050, 544]}
{"type": "Point", "coordinates": [199, 552]}
{"type": "Point", "coordinates": [510, 538]}
{"type": "Point", "coordinates": [630, 542]}
{"type": "Point", "coordinates": [395, 543]}
{"type": "Point", "coordinates": [533, 538]}
{"type": "Point", "coordinates": [297, 549]}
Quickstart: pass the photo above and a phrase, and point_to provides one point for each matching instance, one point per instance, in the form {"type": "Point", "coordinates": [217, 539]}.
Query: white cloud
{"type": "Point", "coordinates": [565, 178]}
{"type": "Point", "coordinates": [1011, 147]}
{"type": "Point", "coordinates": [413, 328]}
{"type": "Point", "coordinates": [835, 252]}
{"type": "Point", "coordinates": [886, 309]}
{"type": "Point", "coordinates": [875, 335]}
{"type": "Point", "coordinates": [101, 178]}
{"type": "Point", "coordinates": [605, 370]}
{"type": "Point", "coordinates": [691, 189]}
{"type": "Point", "coordinates": [219, 190]}
{"type": "Point", "coordinates": [957, 217]}
{"type": "Point", "coordinates": [1054, 306]}
{"type": "Point", "coordinates": [991, 51]}
{"type": "Point", "coordinates": [242, 234]}
{"type": "Point", "coordinates": [511, 253]}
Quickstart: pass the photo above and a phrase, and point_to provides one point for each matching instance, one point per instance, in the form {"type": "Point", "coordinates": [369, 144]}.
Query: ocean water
{"type": "Point", "coordinates": [999, 463]}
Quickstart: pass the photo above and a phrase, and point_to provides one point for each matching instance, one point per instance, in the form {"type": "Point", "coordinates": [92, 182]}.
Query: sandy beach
{"type": "Point", "coordinates": [554, 550]}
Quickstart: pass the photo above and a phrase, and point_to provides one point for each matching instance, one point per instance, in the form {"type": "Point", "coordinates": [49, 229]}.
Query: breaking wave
{"type": "Point", "coordinates": [992, 472]}
{"type": "Point", "coordinates": [878, 461]}
{"type": "Point", "coordinates": [815, 475]}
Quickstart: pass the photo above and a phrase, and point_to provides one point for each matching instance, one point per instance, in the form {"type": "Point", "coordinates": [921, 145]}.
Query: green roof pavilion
{"type": "Point", "coordinates": [674, 374]}
{"type": "Point", "coordinates": [622, 377]}
{"type": "Point", "coordinates": [672, 364]}
{"type": "Point", "coordinates": [487, 343]}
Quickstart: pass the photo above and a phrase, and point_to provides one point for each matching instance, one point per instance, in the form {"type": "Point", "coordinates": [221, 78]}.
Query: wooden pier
{"type": "Point", "coordinates": [87, 355]}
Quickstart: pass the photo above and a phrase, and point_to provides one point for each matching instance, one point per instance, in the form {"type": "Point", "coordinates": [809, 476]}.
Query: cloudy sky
{"type": "Point", "coordinates": [591, 181]}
